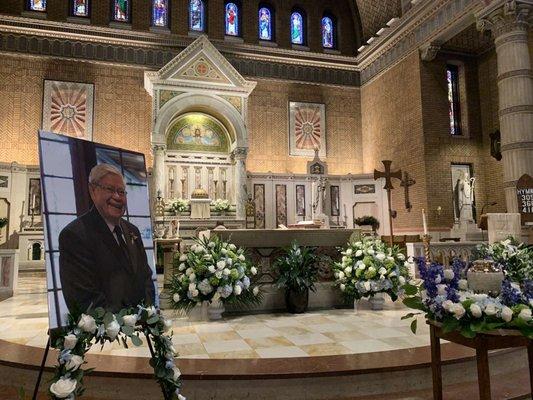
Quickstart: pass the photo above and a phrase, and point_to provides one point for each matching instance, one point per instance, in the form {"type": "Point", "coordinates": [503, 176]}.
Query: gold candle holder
{"type": "Point", "coordinates": [427, 251]}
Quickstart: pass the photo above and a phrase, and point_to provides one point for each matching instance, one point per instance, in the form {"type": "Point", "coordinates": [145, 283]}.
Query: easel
{"type": "Point", "coordinates": [45, 356]}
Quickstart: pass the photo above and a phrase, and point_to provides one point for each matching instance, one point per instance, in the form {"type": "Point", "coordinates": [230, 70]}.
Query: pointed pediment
{"type": "Point", "coordinates": [202, 64]}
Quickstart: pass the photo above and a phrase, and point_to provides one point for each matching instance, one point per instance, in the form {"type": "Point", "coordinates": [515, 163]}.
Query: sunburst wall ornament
{"type": "Point", "coordinates": [68, 108]}
{"type": "Point", "coordinates": [307, 129]}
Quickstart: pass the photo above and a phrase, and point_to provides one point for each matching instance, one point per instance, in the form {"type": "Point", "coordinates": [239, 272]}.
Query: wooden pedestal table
{"type": "Point", "coordinates": [482, 343]}
{"type": "Point", "coordinates": [169, 246]}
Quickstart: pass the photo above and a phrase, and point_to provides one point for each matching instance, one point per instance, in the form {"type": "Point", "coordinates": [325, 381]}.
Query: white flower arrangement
{"type": "Point", "coordinates": [212, 270]}
{"type": "Point", "coordinates": [97, 327]}
{"type": "Point", "coordinates": [368, 267]}
{"type": "Point", "coordinates": [220, 205]}
{"type": "Point", "coordinates": [177, 205]}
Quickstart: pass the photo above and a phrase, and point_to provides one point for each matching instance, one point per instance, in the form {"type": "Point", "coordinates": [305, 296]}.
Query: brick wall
{"type": "Point", "coordinates": [269, 127]}
{"type": "Point", "coordinates": [392, 130]}
{"type": "Point", "coordinates": [122, 108]}
{"type": "Point", "coordinates": [58, 10]}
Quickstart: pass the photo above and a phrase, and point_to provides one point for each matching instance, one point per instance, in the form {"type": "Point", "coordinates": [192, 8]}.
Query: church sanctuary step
{"type": "Point", "coordinates": [397, 374]}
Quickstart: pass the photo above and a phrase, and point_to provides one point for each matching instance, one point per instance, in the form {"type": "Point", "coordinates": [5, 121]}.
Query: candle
{"type": "Point", "coordinates": [425, 222]}
{"type": "Point", "coordinates": [33, 202]}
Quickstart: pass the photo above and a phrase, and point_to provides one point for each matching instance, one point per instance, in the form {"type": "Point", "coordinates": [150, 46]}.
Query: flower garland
{"type": "Point", "coordinates": [368, 267]}
{"type": "Point", "coordinates": [97, 327]}
{"type": "Point", "coordinates": [443, 296]}
{"type": "Point", "coordinates": [213, 270]}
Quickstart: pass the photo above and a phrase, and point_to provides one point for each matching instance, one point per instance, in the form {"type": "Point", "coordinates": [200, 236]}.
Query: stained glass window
{"type": "Point", "coordinates": [121, 10]}
{"type": "Point", "coordinates": [454, 111]}
{"type": "Point", "coordinates": [37, 5]}
{"type": "Point", "coordinates": [232, 19]}
{"type": "Point", "coordinates": [160, 13]}
{"type": "Point", "coordinates": [328, 41]}
{"type": "Point", "coordinates": [80, 8]}
{"type": "Point", "coordinates": [197, 15]}
{"type": "Point", "coordinates": [297, 28]}
{"type": "Point", "coordinates": [265, 24]}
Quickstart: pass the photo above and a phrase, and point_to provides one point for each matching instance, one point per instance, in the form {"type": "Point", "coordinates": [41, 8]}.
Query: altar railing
{"type": "Point", "coordinates": [443, 252]}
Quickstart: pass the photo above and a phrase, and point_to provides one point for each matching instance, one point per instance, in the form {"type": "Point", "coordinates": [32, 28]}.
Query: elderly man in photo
{"type": "Point", "coordinates": [101, 256]}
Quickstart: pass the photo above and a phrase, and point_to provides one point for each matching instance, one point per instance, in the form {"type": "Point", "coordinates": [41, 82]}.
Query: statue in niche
{"type": "Point", "coordinates": [319, 200]}
{"type": "Point", "coordinates": [463, 196]}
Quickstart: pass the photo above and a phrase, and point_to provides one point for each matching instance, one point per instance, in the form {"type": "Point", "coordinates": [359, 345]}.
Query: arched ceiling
{"type": "Point", "coordinates": [375, 14]}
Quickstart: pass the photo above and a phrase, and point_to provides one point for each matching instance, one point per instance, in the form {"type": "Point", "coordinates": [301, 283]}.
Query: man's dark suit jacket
{"type": "Point", "coordinates": [94, 269]}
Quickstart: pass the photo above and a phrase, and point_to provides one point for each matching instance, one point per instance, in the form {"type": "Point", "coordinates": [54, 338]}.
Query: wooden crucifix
{"type": "Point", "coordinates": [407, 181]}
{"type": "Point", "coordinates": [388, 175]}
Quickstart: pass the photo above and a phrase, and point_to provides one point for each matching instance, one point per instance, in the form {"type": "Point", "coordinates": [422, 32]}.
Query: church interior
{"type": "Point", "coordinates": [265, 124]}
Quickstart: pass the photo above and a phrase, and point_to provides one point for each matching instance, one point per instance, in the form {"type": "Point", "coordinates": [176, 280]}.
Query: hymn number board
{"type": "Point", "coordinates": [524, 192]}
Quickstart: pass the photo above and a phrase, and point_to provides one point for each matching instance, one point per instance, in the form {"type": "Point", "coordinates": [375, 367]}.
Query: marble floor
{"type": "Point", "coordinates": [24, 320]}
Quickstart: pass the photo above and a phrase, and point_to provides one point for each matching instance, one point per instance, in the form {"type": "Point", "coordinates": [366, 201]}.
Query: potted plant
{"type": "Point", "coordinates": [215, 272]}
{"type": "Point", "coordinates": [369, 268]}
{"type": "Point", "coordinates": [297, 273]}
{"type": "Point", "coordinates": [368, 220]}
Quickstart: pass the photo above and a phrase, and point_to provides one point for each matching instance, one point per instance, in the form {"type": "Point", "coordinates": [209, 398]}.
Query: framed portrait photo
{"type": "Point", "coordinates": [68, 108]}
{"type": "Point", "coordinates": [307, 129]}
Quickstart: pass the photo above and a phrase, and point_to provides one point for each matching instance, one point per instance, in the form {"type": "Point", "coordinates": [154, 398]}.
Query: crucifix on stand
{"type": "Point", "coordinates": [388, 175]}
{"type": "Point", "coordinates": [407, 182]}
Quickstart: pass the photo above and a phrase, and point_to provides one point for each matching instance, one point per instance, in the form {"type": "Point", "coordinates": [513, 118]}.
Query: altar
{"type": "Point", "coordinates": [265, 246]}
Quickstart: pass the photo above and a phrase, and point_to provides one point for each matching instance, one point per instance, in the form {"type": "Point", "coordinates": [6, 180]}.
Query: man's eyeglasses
{"type": "Point", "coordinates": [111, 190]}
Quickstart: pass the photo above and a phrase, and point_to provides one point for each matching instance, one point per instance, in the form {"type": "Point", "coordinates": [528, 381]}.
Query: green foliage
{"type": "Point", "coordinates": [3, 222]}
{"type": "Point", "coordinates": [297, 268]}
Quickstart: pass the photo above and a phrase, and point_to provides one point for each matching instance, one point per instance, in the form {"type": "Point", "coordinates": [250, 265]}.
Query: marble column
{"type": "Point", "coordinates": [159, 151]}
{"type": "Point", "coordinates": [509, 21]}
{"type": "Point", "coordinates": [239, 155]}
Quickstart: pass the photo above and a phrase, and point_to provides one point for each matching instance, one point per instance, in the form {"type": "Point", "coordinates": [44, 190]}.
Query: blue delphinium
{"type": "Point", "coordinates": [528, 290]}
{"type": "Point", "coordinates": [510, 295]}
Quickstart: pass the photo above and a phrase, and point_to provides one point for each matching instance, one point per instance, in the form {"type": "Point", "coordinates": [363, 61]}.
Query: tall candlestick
{"type": "Point", "coordinates": [425, 222]}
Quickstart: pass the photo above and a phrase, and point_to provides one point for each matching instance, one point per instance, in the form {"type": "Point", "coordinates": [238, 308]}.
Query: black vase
{"type": "Point", "coordinates": [296, 301]}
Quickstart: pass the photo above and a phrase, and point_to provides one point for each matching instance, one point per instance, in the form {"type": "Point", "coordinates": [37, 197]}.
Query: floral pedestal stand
{"type": "Point", "coordinates": [215, 310]}
{"type": "Point", "coordinates": [500, 339]}
{"type": "Point", "coordinates": [377, 301]}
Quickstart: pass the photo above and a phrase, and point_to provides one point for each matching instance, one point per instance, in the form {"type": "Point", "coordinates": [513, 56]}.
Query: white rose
{"type": "Point", "coordinates": [402, 280]}
{"type": "Point", "coordinates": [211, 244]}
{"type": "Point", "coordinates": [198, 249]}
{"type": "Point", "coordinates": [168, 324]}
{"type": "Point", "coordinates": [87, 323]}
{"type": "Point", "coordinates": [232, 247]}
{"type": "Point", "coordinates": [507, 314]}
{"type": "Point", "coordinates": [176, 297]}
{"type": "Point", "coordinates": [341, 275]}
{"type": "Point", "coordinates": [183, 257]}
{"type": "Point", "coordinates": [226, 271]}
{"type": "Point", "coordinates": [182, 267]}
{"type": "Point", "coordinates": [189, 271]}
{"type": "Point", "coordinates": [237, 290]}
{"type": "Point", "coordinates": [344, 259]}
{"type": "Point", "coordinates": [74, 363]}
{"type": "Point", "coordinates": [348, 270]}
{"type": "Point", "coordinates": [130, 320]}
{"type": "Point", "coordinates": [458, 311]}
{"type": "Point", "coordinates": [349, 252]}
{"type": "Point", "coordinates": [366, 286]}
{"type": "Point", "coordinates": [447, 305]}
{"type": "Point", "coordinates": [241, 257]}
{"type": "Point", "coordinates": [463, 284]}
{"type": "Point", "coordinates": [441, 289]}
{"type": "Point", "coordinates": [180, 397]}
{"type": "Point", "coordinates": [229, 261]}
{"type": "Point", "coordinates": [177, 373]}
{"type": "Point", "coordinates": [192, 286]}
{"type": "Point", "coordinates": [256, 290]}
{"type": "Point", "coordinates": [218, 274]}
{"type": "Point", "coordinates": [448, 274]}
{"type": "Point", "coordinates": [370, 251]}
{"type": "Point", "coordinates": [342, 287]}
{"type": "Point", "coordinates": [70, 341]}
{"type": "Point", "coordinates": [359, 253]}
{"type": "Point", "coordinates": [476, 311]}
{"type": "Point", "coordinates": [525, 314]}
{"type": "Point", "coordinates": [63, 387]}
{"type": "Point", "coordinates": [400, 256]}
{"type": "Point", "coordinates": [212, 269]}
{"type": "Point", "coordinates": [224, 251]}
{"type": "Point", "coordinates": [253, 270]}
{"type": "Point", "coordinates": [195, 293]}
{"type": "Point", "coordinates": [192, 277]}
{"type": "Point", "coordinates": [112, 329]}
{"type": "Point", "coordinates": [382, 271]}
{"type": "Point", "coordinates": [491, 310]}
{"type": "Point", "coordinates": [221, 264]}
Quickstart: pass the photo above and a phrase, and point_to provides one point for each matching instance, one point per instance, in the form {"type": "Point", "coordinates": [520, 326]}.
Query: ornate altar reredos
{"type": "Point", "coordinates": [199, 136]}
